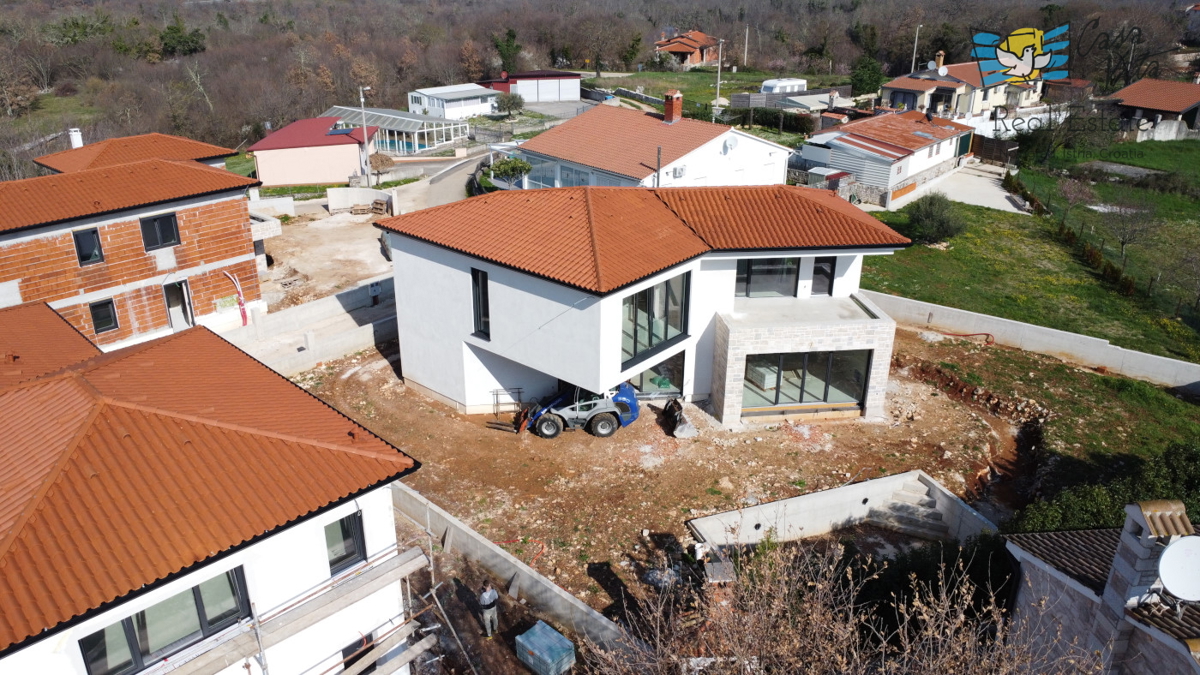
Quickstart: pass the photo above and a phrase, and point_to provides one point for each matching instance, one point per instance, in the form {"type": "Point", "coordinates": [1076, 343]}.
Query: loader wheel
{"type": "Point", "coordinates": [604, 425]}
{"type": "Point", "coordinates": [549, 426]}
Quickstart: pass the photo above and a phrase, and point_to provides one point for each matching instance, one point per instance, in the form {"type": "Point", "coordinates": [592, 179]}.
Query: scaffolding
{"type": "Point", "coordinates": [401, 133]}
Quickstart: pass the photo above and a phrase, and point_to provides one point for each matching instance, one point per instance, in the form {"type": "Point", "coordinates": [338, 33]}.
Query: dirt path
{"type": "Point", "coordinates": [590, 500]}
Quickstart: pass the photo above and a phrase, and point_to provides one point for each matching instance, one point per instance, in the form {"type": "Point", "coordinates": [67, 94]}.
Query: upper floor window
{"type": "Point", "coordinates": [767, 277]}
{"type": "Point", "coordinates": [87, 247]}
{"type": "Point", "coordinates": [104, 316]}
{"type": "Point", "coordinates": [345, 543]}
{"type": "Point", "coordinates": [479, 303]}
{"type": "Point", "coordinates": [144, 639]}
{"type": "Point", "coordinates": [654, 317]}
{"type": "Point", "coordinates": [160, 231]}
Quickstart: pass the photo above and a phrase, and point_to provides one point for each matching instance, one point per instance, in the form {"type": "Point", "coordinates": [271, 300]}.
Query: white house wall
{"type": "Point", "coordinates": [279, 570]}
{"type": "Point", "coordinates": [308, 166]}
{"type": "Point", "coordinates": [753, 162]}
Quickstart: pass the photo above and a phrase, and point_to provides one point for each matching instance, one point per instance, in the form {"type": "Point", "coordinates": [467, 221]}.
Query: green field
{"type": "Point", "coordinates": [1174, 157]}
{"type": "Point", "coordinates": [240, 164]}
{"type": "Point", "coordinates": [51, 111]}
{"type": "Point", "coordinates": [1016, 267]}
{"type": "Point", "coordinates": [700, 85]}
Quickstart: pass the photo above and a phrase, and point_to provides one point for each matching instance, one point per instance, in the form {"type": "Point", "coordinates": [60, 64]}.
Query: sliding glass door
{"type": "Point", "coordinates": [805, 380]}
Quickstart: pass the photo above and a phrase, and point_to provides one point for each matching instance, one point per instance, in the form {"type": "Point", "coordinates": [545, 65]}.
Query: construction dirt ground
{"type": "Point", "coordinates": [320, 255]}
{"type": "Point", "coordinates": [593, 514]}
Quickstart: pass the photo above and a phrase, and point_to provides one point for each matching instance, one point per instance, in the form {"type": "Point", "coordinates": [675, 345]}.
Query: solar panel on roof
{"type": "Point", "coordinates": [339, 132]}
{"type": "Point", "coordinates": [923, 134]}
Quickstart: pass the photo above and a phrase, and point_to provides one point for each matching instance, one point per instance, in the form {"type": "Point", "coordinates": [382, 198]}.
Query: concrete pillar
{"type": "Point", "coordinates": [310, 340]}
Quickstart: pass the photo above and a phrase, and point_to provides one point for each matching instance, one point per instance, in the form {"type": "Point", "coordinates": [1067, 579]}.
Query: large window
{"type": "Point", "coordinates": [160, 231]}
{"type": "Point", "coordinates": [147, 637]}
{"type": "Point", "coordinates": [104, 316]}
{"type": "Point", "coordinates": [767, 277]}
{"type": "Point", "coordinates": [821, 380]}
{"type": "Point", "coordinates": [569, 177]}
{"type": "Point", "coordinates": [479, 303]}
{"type": "Point", "coordinates": [87, 247]}
{"type": "Point", "coordinates": [344, 542]}
{"type": "Point", "coordinates": [662, 380]}
{"type": "Point", "coordinates": [822, 278]}
{"type": "Point", "coordinates": [654, 318]}
{"type": "Point", "coordinates": [542, 175]}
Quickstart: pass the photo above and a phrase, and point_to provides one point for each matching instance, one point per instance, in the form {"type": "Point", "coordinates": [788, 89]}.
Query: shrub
{"type": "Point", "coordinates": [931, 219]}
{"type": "Point", "coordinates": [1092, 256]}
{"type": "Point", "coordinates": [66, 88]}
{"type": "Point", "coordinates": [1110, 272]}
{"type": "Point", "coordinates": [1128, 285]}
{"type": "Point", "coordinates": [1010, 184]}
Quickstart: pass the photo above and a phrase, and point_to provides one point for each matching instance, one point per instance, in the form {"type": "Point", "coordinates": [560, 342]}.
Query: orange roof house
{"type": "Point", "coordinates": [690, 49]}
{"type": "Point", "coordinates": [956, 90]}
{"type": "Point", "coordinates": [1148, 98]}
{"type": "Point", "coordinates": [133, 149]}
{"type": "Point", "coordinates": [127, 472]}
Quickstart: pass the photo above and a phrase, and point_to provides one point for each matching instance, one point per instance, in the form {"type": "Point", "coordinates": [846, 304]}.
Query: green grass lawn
{"type": "Point", "coordinates": [300, 192]}
{"type": "Point", "coordinates": [240, 164]}
{"type": "Point", "coordinates": [1170, 156]}
{"type": "Point", "coordinates": [700, 85]}
{"type": "Point", "coordinates": [1014, 266]}
{"type": "Point", "coordinates": [52, 111]}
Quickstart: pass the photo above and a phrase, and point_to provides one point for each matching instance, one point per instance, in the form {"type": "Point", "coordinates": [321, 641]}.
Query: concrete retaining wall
{"type": "Point", "coordinates": [520, 580]}
{"type": "Point", "coordinates": [822, 512]}
{"type": "Point", "coordinates": [1081, 349]}
{"type": "Point", "coordinates": [345, 198]}
{"type": "Point", "coordinates": [644, 98]}
{"type": "Point", "coordinates": [272, 206]}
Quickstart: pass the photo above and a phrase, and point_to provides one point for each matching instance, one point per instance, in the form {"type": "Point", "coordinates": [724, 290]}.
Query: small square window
{"type": "Point", "coordinates": [87, 247]}
{"type": "Point", "coordinates": [104, 316]}
{"type": "Point", "coordinates": [344, 543]}
{"type": "Point", "coordinates": [160, 231]}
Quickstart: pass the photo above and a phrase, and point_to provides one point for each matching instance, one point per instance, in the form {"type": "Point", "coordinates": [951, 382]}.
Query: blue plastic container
{"type": "Point", "coordinates": [545, 651]}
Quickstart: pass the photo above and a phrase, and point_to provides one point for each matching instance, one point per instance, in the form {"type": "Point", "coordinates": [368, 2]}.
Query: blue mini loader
{"type": "Point", "coordinates": [576, 408]}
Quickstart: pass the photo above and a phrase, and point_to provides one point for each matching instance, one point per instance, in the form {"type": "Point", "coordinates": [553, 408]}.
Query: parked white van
{"type": "Point", "coordinates": [784, 86]}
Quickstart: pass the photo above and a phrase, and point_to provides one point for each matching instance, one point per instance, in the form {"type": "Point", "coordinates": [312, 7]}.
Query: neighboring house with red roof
{"type": "Point", "coordinates": [746, 296]}
{"type": "Point", "coordinates": [1158, 101]}
{"type": "Point", "coordinates": [538, 86]}
{"type": "Point", "coordinates": [689, 50]}
{"type": "Point", "coordinates": [128, 252]}
{"type": "Point", "coordinates": [176, 506]}
{"type": "Point", "coordinates": [315, 151]}
{"type": "Point", "coordinates": [894, 153]}
{"type": "Point", "coordinates": [1106, 594]}
{"type": "Point", "coordinates": [959, 91]}
{"type": "Point", "coordinates": [612, 146]}
{"type": "Point", "coordinates": [126, 149]}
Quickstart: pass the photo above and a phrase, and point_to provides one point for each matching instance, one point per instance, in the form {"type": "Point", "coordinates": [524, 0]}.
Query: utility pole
{"type": "Point", "coordinates": [913, 67]}
{"type": "Point", "coordinates": [717, 102]}
{"type": "Point", "coordinates": [746, 48]}
{"type": "Point", "coordinates": [362, 106]}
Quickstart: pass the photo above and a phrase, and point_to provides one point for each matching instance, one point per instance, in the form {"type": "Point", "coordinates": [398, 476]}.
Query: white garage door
{"type": "Point", "coordinates": [527, 89]}
{"type": "Point", "coordinates": [568, 90]}
{"type": "Point", "coordinates": [547, 90]}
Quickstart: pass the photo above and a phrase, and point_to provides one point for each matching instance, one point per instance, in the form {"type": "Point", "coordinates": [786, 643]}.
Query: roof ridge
{"type": "Point", "coordinates": [587, 200]}
{"type": "Point", "coordinates": [682, 219]}
{"type": "Point", "coordinates": [7, 540]}
{"type": "Point", "coordinates": [250, 430]}
{"type": "Point", "coordinates": [121, 354]}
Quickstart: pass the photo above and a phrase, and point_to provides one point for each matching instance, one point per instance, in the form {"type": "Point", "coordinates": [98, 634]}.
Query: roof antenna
{"type": "Point", "coordinates": [658, 166]}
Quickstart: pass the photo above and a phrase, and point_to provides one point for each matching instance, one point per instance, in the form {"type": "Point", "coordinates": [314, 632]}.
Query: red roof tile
{"type": "Point", "coordinates": [311, 133]}
{"type": "Point", "coordinates": [906, 83]}
{"type": "Point", "coordinates": [603, 238]}
{"type": "Point", "coordinates": [967, 72]}
{"type": "Point", "coordinates": [622, 141]}
{"type": "Point", "coordinates": [35, 340]}
{"type": "Point", "coordinates": [1162, 95]}
{"type": "Point", "coordinates": [131, 149]}
{"type": "Point", "coordinates": [136, 464]}
{"type": "Point", "coordinates": [53, 199]}
{"type": "Point", "coordinates": [901, 130]}
{"type": "Point", "coordinates": [689, 41]}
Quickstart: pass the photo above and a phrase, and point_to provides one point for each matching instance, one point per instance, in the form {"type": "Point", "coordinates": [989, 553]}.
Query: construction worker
{"type": "Point", "coordinates": [487, 602]}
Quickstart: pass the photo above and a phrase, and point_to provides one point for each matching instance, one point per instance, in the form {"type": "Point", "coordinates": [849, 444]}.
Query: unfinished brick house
{"type": "Point", "coordinates": [131, 251]}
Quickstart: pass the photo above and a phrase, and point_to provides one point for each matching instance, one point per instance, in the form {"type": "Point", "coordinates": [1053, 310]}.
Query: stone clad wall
{"type": "Point", "coordinates": [1147, 656]}
{"type": "Point", "coordinates": [1068, 612]}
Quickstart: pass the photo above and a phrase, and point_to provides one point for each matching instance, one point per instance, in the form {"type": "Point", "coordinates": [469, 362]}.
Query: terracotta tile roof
{"type": "Point", "coordinates": [603, 238]}
{"type": "Point", "coordinates": [35, 340]}
{"type": "Point", "coordinates": [622, 141]}
{"type": "Point", "coordinates": [53, 199]}
{"type": "Point", "coordinates": [311, 133]}
{"type": "Point", "coordinates": [967, 72]}
{"type": "Point", "coordinates": [1185, 628]}
{"type": "Point", "coordinates": [136, 464]}
{"type": "Point", "coordinates": [901, 130]}
{"type": "Point", "coordinates": [1084, 555]}
{"type": "Point", "coordinates": [685, 42]}
{"type": "Point", "coordinates": [886, 150]}
{"type": "Point", "coordinates": [1166, 518]}
{"type": "Point", "coordinates": [131, 149]}
{"type": "Point", "coordinates": [906, 83]}
{"type": "Point", "coordinates": [1162, 95]}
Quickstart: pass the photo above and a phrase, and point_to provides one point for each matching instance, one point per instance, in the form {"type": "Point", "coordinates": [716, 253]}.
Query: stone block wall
{"type": "Point", "coordinates": [733, 344]}
{"type": "Point", "coordinates": [1058, 614]}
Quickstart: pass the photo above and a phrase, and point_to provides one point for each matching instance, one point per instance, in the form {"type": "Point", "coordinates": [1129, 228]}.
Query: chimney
{"type": "Point", "coordinates": [672, 106]}
{"type": "Point", "coordinates": [939, 58]}
{"type": "Point", "coordinates": [1133, 579]}
{"type": "Point", "coordinates": [76, 137]}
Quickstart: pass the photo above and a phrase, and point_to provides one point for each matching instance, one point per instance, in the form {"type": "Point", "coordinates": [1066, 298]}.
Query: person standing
{"type": "Point", "coordinates": [487, 602]}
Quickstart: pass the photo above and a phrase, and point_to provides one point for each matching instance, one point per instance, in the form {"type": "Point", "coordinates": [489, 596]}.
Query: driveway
{"type": "Point", "coordinates": [976, 184]}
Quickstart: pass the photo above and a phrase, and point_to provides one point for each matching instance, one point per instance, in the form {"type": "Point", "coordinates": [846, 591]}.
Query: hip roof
{"type": "Point", "coordinates": [131, 149]}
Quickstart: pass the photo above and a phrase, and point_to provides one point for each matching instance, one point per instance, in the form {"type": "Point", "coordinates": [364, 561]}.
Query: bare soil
{"type": "Point", "coordinates": [320, 255]}
{"type": "Point", "coordinates": [603, 508]}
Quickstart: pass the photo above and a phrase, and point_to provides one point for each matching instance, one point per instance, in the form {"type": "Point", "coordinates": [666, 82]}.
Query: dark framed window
{"type": "Point", "coordinates": [160, 231]}
{"type": "Point", "coordinates": [146, 638]}
{"type": "Point", "coordinates": [822, 277]}
{"type": "Point", "coordinates": [104, 316]}
{"type": "Point", "coordinates": [812, 380]}
{"type": "Point", "coordinates": [344, 543]}
{"type": "Point", "coordinates": [767, 277]}
{"type": "Point", "coordinates": [662, 380]}
{"type": "Point", "coordinates": [479, 304]}
{"type": "Point", "coordinates": [654, 318]}
{"type": "Point", "coordinates": [87, 247]}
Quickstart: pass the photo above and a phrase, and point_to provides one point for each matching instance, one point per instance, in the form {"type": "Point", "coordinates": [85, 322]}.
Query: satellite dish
{"type": "Point", "coordinates": [931, 65]}
{"type": "Point", "coordinates": [1179, 569]}
{"type": "Point", "coordinates": [943, 70]}
{"type": "Point", "coordinates": [730, 144]}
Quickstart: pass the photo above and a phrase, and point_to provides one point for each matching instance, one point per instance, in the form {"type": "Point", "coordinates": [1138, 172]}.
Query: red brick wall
{"type": "Point", "coordinates": [49, 270]}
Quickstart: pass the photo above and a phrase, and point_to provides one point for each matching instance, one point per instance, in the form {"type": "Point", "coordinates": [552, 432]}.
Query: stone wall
{"type": "Point", "coordinates": [1149, 655]}
{"type": "Point", "coordinates": [1067, 613]}
{"type": "Point", "coordinates": [734, 343]}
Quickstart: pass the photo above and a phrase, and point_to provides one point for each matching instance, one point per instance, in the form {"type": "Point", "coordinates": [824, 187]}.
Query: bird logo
{"type": "Point", "coordinates": [1025, 55]}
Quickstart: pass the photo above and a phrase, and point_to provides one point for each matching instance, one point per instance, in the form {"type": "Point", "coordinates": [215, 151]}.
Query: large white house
{"type": "Point", "coordinates": [610, 146]}
{"type": "Point", "coordinates": [453, 102]}
{"type": "Point", "coordinates": [177, 507]}
{"type": "Point", "coordinates": [895, 154]}
{"type": "Point", "coordinates": [746, 296]}
{"type": "Point", "coordinates": [956, 90]}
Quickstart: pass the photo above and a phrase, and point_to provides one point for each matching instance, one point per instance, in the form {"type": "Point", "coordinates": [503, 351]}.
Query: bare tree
{"type": "Point", "coordinates": [1131, 221]}
{"type": "Point", "coordinates": [1075, 193]}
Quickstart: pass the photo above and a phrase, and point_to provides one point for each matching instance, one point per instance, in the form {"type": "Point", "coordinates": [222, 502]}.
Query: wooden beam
{"type": "Point", "coordinates": [382, 647]}
{"type": "Point", "coordinates": [407, 656]}
{"type": "Point", "coordinates": [292, 621]}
